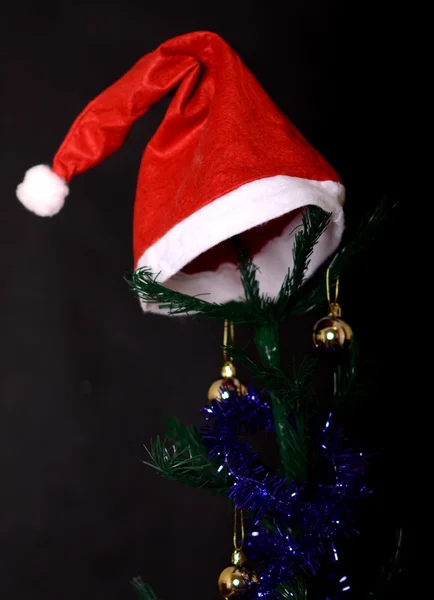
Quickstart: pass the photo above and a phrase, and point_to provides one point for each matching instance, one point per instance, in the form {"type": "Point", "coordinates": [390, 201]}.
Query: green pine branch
{"type": "Point", "coordinates": [189, 437]}
{"type": "Point", "coordinates": [389, 572]}
{"type": "Point", "coordinates": [145, 286]}
{"type": "Point", "coordinates": [314, 223]}
{"type": "Point", "coordinates": [261, 306]}
{"type": "Point", "coordinates": [289, 395]}
{"type": "Point", "coordinates": [185, 436]}
{"type": "Point", "coordinates": [290, 436]}
{"type": "Point", "coordinates": [362, 240]}
{"type": "Point", "coordinates": [347, 387]}
{"type": "Point", "coordinates": [294, 590]}
{"type": "Point", "coordinates": [353, 381]}
{"type": "Point", "coordinates": [143, 590]}
{"type": "Point", "coordinates": [314, 292]}
{"type": "Point", "coordinates": [250, 283]}
{"type": "Point", "coordinates": [182, 456]}
{"type": "Point", "coordinates": [300, 385]}
{"type": "Point", "coordinates": [295, 389]}
{"type": "Point", "coordinates": [292, 443]}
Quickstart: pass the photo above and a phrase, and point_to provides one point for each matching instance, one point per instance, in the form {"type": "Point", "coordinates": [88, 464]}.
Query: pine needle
{"type": "Point", "coordinates": [189, 465]}
{"type": "Point", "coordinates": [142, 589]}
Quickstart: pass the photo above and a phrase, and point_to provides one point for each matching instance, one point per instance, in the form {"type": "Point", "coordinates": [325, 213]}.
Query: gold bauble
{"type": "Point", "coordinates": [220, 390]}
{"type": "Point", "coordinates": [332, 334]}
{"type": "Point", "coordinates": [235, 581]}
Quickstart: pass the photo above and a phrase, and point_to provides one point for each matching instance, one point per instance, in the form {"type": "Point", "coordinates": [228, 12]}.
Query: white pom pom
{"type": "Point", "coordinates": [42, 191]}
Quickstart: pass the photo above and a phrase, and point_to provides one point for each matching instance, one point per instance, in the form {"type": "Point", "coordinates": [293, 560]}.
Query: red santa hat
{"type": "Point", "coordinates": [225, 161]}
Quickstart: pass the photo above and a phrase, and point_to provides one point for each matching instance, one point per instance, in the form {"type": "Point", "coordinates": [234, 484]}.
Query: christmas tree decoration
{"type": "Point", "coordinates": [331, 333]}
{"type": "Point", "coordinates": [237, 581]}
{"type": "Point", "coordinates": [225, 162]}
{"type": "Point", "coordinates": [303, 512]}
{"type": "Point", "coordinates": [322, 515]}
{"type": "Point", "coordinates": [220, 389]}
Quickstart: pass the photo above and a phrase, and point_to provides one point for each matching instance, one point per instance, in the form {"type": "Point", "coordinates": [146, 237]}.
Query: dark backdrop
{"type": "Point", "coordinates": [86, 378]}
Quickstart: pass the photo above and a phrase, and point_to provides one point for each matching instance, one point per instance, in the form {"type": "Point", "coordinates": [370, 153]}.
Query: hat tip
{"type": "Point", "coordinates": [42, 191]}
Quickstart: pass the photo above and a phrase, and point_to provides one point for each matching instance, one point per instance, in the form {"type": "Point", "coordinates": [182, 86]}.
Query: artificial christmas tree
{"type": "Point", "coordinates": [301, 512]}
{"type": "Point", "coordinates": [234, 214]}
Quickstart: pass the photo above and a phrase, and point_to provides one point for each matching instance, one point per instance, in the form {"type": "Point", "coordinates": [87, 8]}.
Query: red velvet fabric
{"type": "Point", "coordinates": [221, 130]}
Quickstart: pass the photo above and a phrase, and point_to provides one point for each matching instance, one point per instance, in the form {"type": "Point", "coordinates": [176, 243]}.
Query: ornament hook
{"type": "Point", "coordinates": [228, 336]}
{"type": "Point", "coordinates": [335, 309]}
{"type": "Point", "coordinates": [238, 556]}
{"type": "Point", "coordinates": [235, 538]}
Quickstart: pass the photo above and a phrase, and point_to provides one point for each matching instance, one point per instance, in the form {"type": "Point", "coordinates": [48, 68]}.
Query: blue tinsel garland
{"type": "Point", "coordinates": [306, 518]}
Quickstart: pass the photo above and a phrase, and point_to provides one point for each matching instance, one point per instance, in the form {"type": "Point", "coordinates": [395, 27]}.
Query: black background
{"type": "Point", "coordinates": [86, 378]}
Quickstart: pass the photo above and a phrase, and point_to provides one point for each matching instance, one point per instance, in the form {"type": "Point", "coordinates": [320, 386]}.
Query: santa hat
{"type": "Point", "coordinates": [225, 161]}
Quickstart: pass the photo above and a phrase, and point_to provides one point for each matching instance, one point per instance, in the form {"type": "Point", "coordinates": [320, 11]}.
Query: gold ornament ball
{"type": "Point", "coordinates": [332, 334]}
{"type": "Point", "coordinates": [220, 389]}
{"type": "Point", "coordinates": [235, 581]}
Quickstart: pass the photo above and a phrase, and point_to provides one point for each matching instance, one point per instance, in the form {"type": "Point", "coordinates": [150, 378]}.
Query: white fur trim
{"type": "Point", "coordinates": [246, 207]}
{"type": "Point", "coordinates": [42, 191]}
